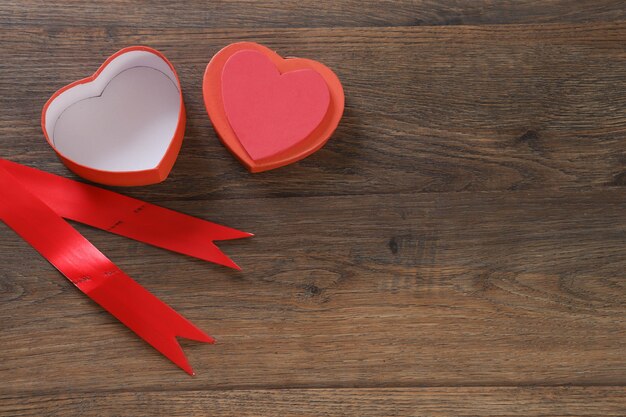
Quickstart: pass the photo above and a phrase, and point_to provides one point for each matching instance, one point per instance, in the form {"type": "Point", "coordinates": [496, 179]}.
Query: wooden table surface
{"type": "Point", "coordinates": [457, 248]}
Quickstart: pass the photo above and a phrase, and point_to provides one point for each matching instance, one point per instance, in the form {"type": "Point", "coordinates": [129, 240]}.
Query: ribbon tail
{"type": "Point", "coordinates": [177, 232]}
{"type": "Point", "coordinates": [127, 216]}
{"type": "Point", "coordinates": [93, 273]}
{"type": "Point", "coordinates": [152, 320]}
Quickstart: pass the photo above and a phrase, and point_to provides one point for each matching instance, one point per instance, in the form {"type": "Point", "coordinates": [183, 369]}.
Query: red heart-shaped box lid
{"type": "Point", "coordinates": [123, 125]}
{"type": "Point", "coordinates": [267, 110]}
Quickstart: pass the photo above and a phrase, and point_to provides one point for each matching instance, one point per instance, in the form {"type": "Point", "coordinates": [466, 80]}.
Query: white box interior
{"type": "Point", "coordinates": [124, 120]}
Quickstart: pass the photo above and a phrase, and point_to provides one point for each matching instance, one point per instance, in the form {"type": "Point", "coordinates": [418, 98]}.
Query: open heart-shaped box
{"type": "Point", "coordinates": [123, 125]}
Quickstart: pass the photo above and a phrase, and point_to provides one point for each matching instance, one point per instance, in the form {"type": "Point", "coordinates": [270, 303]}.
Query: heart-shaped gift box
{"type": "Point", "coordinates": [267, 110]}
{"type": "Point", "coordinates": [123, 125]}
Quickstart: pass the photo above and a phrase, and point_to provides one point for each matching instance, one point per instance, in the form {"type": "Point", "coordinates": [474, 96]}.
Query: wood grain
{"type": "Point", "coordinates": [457, 248]}
{"type": "Point", "coordinates": [305, 13]}
{"type": "Point", "coordinates": [505, 288]}
{"type": "Point", "coordinates": [460, 108]}
{"type": "Point", "coordinates": [458, 402]}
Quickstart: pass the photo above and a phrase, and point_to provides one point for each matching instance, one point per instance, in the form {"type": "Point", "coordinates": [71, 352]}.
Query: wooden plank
{"type": "Point", "coordinates": [304, 13]}
{"type": "Point", "coordinates": [497, 288]}
{"type": "Point", "coordinates": [448, 401]}
{"type": "Point", "coordinates": [428, 109]}
{"type": "Point", "coordinates": [463, 231]}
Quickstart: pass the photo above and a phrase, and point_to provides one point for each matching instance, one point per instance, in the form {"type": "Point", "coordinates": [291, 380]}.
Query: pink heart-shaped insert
{"type": "Point", "coordinates": [271, 112]}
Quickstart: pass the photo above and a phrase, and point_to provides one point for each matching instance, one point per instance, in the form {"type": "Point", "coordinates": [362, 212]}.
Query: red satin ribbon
{"type": "Point", "coordinates": [33, 202]}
